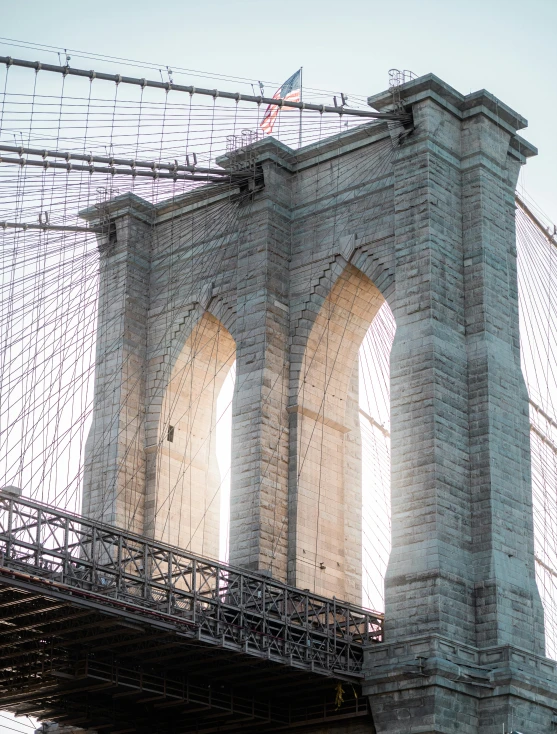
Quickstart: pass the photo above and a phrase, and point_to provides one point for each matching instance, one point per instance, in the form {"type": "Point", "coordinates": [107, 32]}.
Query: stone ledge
{"type": "Point", "coordinates": [296, 160]}
{"type": "Point", "coordinates": [435, 660]}
{"type": "Point", "coordinates": [430, 86]}
{"type": "Point", "coordinates": [318, 418]}
{"type": "Point", "coordinates": [125, 205]}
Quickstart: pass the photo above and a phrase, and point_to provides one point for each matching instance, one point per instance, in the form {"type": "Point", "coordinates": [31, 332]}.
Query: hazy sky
{"type": "Point", "coordinates": [505, 46]}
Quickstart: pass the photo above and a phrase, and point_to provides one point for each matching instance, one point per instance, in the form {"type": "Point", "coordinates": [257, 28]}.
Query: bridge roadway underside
{"type": "Point", "coordinates": [69, 660]}
{"type": "Point", "coordinates": [114, 632]}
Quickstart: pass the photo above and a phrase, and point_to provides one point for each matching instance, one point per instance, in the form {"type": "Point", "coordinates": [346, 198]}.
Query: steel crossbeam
{"type": "Point", "coordinates": [214, 93]}
{"type": "Point", "coordinates": [208, 601]}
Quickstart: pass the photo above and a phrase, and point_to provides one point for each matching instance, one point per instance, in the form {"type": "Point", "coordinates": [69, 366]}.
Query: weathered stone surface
{"type": "Point", "coordinates": [286, 280]}
{"type": "Point", "coordinates": [464, 623]}
{"type": "Point", "coordinates": [114, 479]}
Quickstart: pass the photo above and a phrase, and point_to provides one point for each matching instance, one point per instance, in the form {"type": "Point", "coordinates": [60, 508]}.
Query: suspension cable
{"type": "Point", "coordinates": [170, 86]}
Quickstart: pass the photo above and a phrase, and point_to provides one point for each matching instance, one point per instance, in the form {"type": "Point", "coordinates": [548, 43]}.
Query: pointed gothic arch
{"type": "Point", "coordinates": [325, 539]}
{"type": "Point", "coordinates": [183, 480]}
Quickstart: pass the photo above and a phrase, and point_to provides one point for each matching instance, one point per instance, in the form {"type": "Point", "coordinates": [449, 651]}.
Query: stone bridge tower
{"type": "Point", "coordinates": [285, 279]}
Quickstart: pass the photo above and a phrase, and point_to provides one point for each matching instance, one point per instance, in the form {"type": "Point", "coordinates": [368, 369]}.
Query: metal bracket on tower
{"type": "Point", "coordinates": [399, 130]}
{"type": "Point", "coordinates": [242, 161]}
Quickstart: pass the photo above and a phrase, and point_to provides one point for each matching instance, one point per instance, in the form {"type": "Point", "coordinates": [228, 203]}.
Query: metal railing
{"type": "Point", "coordinates": [209, 601]}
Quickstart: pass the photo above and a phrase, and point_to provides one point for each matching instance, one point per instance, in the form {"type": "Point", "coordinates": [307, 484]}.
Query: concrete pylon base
{"type": "Point", "coordinates": [430, 685]}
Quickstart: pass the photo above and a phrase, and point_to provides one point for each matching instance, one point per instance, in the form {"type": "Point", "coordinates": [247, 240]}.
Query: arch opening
{"type": "Point", "coordinates": [183, 504]}
{"type": "Point", "coordinates": [325, 543]}
{"type": "Point", "coordinates": [224, 458]}
{"type": "Point", "coordinates": [375, 425]}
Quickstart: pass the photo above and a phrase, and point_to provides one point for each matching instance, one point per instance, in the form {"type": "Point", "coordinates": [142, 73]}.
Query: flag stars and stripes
{"type": "Point", "coordinates": [291, 91]}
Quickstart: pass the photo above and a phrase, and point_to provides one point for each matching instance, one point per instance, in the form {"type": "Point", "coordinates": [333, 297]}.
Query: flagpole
{"type": "Point", "coordinates": [301, 100]}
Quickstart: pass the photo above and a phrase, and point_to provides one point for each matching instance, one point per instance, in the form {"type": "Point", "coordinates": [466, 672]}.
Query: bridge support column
{"type": "Point", "coordinates": [464, 626]}
{"type": "Point", "coordinates": [114, 480]}
{"type": "Point", "coordinates": [259, 491]}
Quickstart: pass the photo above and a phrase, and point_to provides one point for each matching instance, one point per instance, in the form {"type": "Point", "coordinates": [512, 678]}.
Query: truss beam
{"type": "Point", "coordinates": [73, 558]}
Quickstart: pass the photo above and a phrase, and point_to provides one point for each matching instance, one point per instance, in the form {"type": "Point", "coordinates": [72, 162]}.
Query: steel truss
{"type": "Point", "coordinates": [106, 630]}
{"type": "Point", "coordinates": [209, 601]}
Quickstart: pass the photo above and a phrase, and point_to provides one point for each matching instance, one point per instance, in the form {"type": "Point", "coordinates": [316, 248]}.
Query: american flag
{"type": "Point", "coordinates": [291, 90]}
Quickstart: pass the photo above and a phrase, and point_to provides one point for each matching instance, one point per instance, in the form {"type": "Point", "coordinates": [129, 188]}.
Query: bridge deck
{"type": "Point", "coordinates": [108, 630]}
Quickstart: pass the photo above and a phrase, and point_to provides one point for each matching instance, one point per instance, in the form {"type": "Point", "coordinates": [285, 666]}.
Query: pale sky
{"type": "Point", "coordinates": [505, 46]}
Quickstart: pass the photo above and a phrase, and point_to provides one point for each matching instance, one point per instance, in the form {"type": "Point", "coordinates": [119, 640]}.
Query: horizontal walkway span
{"type": "Point", "coordinates": [99, 627]}
{"type": "Point", "coordinates": [101, 566]}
